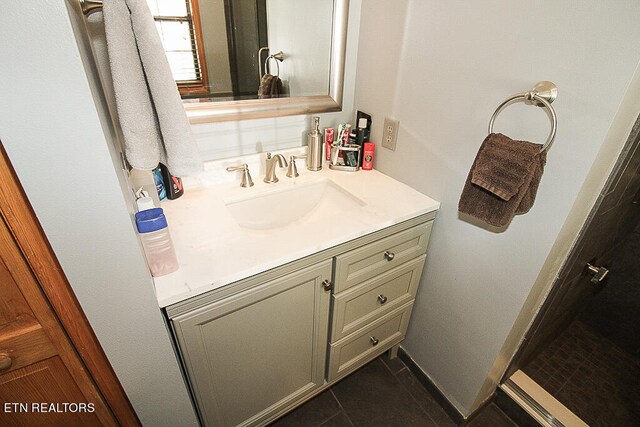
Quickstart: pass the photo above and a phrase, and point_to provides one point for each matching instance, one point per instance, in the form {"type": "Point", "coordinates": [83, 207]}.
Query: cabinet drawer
{"type": "Point", "coordinates": [373, 259]}
{"type": "Point", "coordinates": [360, 305]}
{"type": "Point", "coordinates": [356, 349]}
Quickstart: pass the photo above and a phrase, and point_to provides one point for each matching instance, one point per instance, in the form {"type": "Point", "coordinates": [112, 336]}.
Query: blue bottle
{"type": "Point", "coordinates": [160, 188]}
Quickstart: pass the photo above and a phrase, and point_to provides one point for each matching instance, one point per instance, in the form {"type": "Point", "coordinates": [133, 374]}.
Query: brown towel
{"type": "Point", "coordinates": [503, 180]}
{"type": "Point", "coordinates": [270, 87]}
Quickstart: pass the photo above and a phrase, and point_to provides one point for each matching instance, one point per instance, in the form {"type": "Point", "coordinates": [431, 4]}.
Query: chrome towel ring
{"type": "Point", "coordinates": [278, 57]}
{"type": "Point", "coordinates": [542, 95]}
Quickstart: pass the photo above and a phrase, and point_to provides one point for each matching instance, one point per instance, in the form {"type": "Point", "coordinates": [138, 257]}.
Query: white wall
{"type": "Point", "coordinates": [302, 30]}
{"type": "Point", "coordinates": [61, 146]}
{"type": "Point", "coordinates": [442, 69]}
{"type": "Point", "coordinates": [229, 139]}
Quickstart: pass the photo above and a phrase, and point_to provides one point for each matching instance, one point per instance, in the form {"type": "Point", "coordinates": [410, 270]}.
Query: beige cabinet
{"type": "Point", "coordinates": [357, 349]}
{"type": "Point", "coordinates": [253, 353]}
{"type": "Point", "coordinates": [255, 349]}
{"type": "Point", "coordinates": [375, 286]}
{"type": "Point", "coordinates": [368, 261]}
{"type": "Point", "coordinates": [361, 305]}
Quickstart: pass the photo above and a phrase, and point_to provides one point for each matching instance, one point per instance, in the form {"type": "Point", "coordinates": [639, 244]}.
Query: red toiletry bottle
{"type": "Point", "coordinates": [329, 134]}
{"type": "Point", "coordinates": [367, 159]}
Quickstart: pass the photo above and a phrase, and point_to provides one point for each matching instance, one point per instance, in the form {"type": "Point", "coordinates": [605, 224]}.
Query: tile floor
{"type": "Point", "coordinates": [591, 376]}
{"type": "Point", "coordinates": [593, 366]}
{"type": "Point", "coordinates": [383, 393]}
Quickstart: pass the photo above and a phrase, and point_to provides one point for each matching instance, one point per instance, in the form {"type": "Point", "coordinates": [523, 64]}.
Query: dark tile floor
{"type": "Point", "coordinates": [383, 393]}
{"type": "Point", "coordinates": [591, 376]}
{"type": "Point", "coordinates": [593, 366]}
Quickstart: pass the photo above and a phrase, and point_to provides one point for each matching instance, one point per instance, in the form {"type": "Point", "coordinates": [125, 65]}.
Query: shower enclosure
{"type": "Point", "coordinates": [580, 361]}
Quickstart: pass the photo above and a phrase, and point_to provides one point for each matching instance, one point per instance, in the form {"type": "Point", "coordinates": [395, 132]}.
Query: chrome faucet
{"type": "Point", "coordinates": [270, 176]}
{"type": "Point", "coordinates": [292, 172]}
{"type": "Point", "coordinates": [246, 176]}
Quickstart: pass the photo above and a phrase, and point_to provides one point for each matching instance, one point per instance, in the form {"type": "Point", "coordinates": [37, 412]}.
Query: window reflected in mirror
{"type": "Point", "coordinates": [178, 24]}
{"type": "Point", "coordinates": [226, 50]}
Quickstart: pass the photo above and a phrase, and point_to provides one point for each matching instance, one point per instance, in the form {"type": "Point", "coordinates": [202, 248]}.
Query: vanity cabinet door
{"type": "Point", "coordinates": [253, 354]}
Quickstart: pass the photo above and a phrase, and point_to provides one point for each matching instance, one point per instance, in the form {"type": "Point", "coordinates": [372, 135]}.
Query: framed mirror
{"type": "Point", "coordinates": [248, 59]}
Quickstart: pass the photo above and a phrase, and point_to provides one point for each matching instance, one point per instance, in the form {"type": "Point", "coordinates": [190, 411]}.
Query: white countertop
{"type": "Point", "coordinates": [214, 251]}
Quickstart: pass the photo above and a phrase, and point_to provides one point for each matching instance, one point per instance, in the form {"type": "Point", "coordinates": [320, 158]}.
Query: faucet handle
{"type": "Point", "coordinates": [246, 176]}
{"type": "Point", "coordinates": [292, 172]}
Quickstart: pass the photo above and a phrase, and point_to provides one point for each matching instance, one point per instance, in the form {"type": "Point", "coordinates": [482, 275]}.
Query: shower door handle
{"type": "Point", "coordinates": [599, 273]}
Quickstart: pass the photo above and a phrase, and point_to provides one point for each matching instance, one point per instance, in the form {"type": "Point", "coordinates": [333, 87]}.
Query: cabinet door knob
{"type": "Point", "coordinates": [374, 341]}
{"type": "Point", "coordinates": [389, 255]}
{"type": "Point", "coordinates": [5, 360]}
{"type": "Point", "coordinates": [382, 299]}
{"type": "Point", "coordinates": [327, 285]}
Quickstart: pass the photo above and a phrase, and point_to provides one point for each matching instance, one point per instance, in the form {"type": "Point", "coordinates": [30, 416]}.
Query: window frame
{"type": "Point", "coordinates": [198, 86]}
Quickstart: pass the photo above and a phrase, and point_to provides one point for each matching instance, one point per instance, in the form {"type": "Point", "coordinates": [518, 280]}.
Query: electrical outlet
{"type": "Point", "coordinates": [390, 133]}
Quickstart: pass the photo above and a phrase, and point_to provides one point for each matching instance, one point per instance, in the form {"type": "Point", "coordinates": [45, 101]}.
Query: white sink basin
{"type": "Point", "coordinates": [285, 205]}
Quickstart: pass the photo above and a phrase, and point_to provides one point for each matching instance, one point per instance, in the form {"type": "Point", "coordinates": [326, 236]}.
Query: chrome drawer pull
{"type": "Point", "coordinates": [382, 299]}
{"type": "Point", "coordinates": [374, 341]}
{"type": "Point", "coordinates": [327, 285]}
{"type": "Point", "coordinates": [389, 255]}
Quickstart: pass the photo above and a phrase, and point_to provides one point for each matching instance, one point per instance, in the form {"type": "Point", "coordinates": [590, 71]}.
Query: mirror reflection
{"type": "Point", "coordinates": [223, 50]}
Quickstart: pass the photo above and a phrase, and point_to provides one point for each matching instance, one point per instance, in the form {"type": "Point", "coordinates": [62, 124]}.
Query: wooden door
{"type": "Point", "coordinates": [53, 371]}
{"type": "Point", "coordinates": [36, 385]}
{"type": "Point", "coordinates": [615, 215]}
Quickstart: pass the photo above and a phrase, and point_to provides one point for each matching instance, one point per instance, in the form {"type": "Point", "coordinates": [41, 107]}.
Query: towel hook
{"type": "Point", "coordinates": [542, 95]}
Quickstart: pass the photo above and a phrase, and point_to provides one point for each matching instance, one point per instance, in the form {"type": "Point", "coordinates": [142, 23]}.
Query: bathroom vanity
{"type": "Point", "coordinates": [274, 303]}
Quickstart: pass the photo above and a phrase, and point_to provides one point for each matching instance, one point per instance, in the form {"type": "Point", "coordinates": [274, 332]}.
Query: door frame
{"type": "Point", "coordinates": [25, 228]}
{"type": "Point", "coordinates": [232, 45]}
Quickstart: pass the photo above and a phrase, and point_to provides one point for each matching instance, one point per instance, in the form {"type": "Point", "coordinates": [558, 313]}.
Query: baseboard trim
{"type": "Point", "coordinates": [503, 400]}
{"type": "Point", "coordinates": [426, 382]}
{"type": "Point", "coordinates": [488, 401]}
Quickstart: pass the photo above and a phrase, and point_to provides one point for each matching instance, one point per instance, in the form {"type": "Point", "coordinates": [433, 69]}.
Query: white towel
{"type": "Point", "coordinates": [150, 110]}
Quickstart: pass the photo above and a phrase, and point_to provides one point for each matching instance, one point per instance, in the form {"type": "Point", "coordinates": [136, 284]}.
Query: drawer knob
{"type": "Point", "coordinates": [374, 341]}
{"type": "Point", "coordinates": [382, 299]}
{"type": "Point", "coordinates": [5, 361]}
{"type": "Point", "coordinates": [389, 255]}
{"type": "Point", "coordinates": [327, 285]}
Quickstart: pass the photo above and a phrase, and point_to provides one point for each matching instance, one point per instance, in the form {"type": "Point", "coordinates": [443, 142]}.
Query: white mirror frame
{"type": "Point", "coordinates": [208, 112]}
